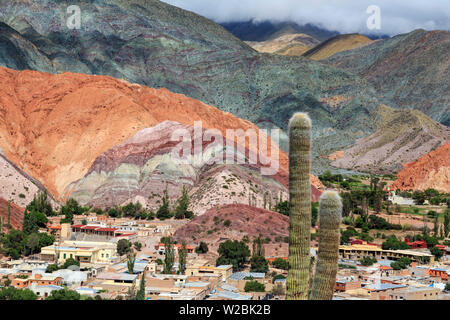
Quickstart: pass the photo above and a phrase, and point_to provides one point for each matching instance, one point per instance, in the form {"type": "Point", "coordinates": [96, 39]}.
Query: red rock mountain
{"type": "Point", "coordinates": [16, 218]}
{"type": "Point", "coordinates": [429, 171]}
{"type": "Point", "coordinates": [54, 126]}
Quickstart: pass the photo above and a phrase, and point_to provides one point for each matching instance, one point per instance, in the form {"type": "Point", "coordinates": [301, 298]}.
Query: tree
{"type": "Point", "coordinates": [282, 207]}
{"type": "Point", "coordinates": [169, 257]}
{"type": "Point", "coordinates": [40, 203]}
{"type": "Point", "coordinates": [123, 247]}
{"type": "Point", "coordinates": [181, 211]}
{"type": "Point", "coordinates": [234, 252]}
{"type": "Point", "coordinates": [182, 255]}
{"type": "Point", "coordinates": [392, 243]}
{"type": "Point", "coordinates": [11, 293]}
{"type": "Point", "coordinates": [280, 263]}
{"type": "Point", "coordinates": [32, 243]}
{"type": "Point", "coordinates": [254, 286]}
{"type": "Point", "coordinates": [130, 262]}
{"type": "Point", "coordinates": [259, 264]}
{"type": "Point", "coordinates": [401, 263]}
{"type": "Point", "coordinates": [64, 294]}
{"type": "Point", "coordinates": [70, 262]}
{"type": "Point", "coordinates": [164, 210]}
{"type": "Point", "coordinates": [138, 246]}
{"type": "Point", "coordinates": [368, 261]}
{"type": "Point", "coordinates": [202, 248]}
{"type": "Point", "coordinates": [446, 223]}
{"type": "Point", "coordinates": [51, 268]}
{"type": "Point", "coordinates": [438, 253]}
{"type": "Point", "coordinates": [140, 295]}
{"type": "Point", "coordinates": [278, 290]}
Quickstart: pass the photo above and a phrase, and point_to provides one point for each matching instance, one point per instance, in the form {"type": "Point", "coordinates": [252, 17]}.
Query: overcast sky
{"type": "Point", "coordinates": [345, 16]}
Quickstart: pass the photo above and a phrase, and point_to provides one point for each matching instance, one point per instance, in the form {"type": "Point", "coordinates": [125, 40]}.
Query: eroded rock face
{"type": "Point", "coordinates": [429, 171]}
{"type": "Point", "coordinates": [402, 136]}
{"type": "Point", "coordinates": [54, 127]}
{"type": "Point", "coordinates": [18, 187]}
{"type": "Point", "coordinates": [16, 217]}
{"type": "Point", "coordinates": [141, 167]}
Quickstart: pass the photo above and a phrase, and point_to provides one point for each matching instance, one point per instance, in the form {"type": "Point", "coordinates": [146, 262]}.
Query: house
{"type": "Point", "coordinates": [224, 271]}
{"type": "Point", "coordinates": [45, 290]}
{"type": "Point", "coordinates": [345, 284]}
{"type": "Point", "coordinates": [439, 273]}
{"type": "Point", "coordinates": [86, 252]}
{"type": "Point", "coordinates": [418, 244]}
{"type": "Point", "coordinates": [38, 279]}
{"type": "Point", "coordinates": [425, 293]}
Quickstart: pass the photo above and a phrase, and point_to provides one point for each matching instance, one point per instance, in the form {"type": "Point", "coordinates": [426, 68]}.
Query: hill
{"type": "Point", "coordinates": [409, 71]}
{"type": "Point", "coordinates": [266, 30]}
{"type": "Point", "coordinates": [402, 136]}
{"type": "Point", "coordinates": [335, 45]}
{"type": "Point", "coordinates": [157, 45]}
{"type": "Point", "coordinates": [288, 44]}
{"type": "Point", "coordinates": [429, 171]}
{"type": "Point", "coordinates": [244, 221]}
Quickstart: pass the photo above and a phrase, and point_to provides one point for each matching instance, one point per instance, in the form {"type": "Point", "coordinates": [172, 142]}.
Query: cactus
{"type": "Point", "coordinates": [298, 280]}
{"type": "Point", "coordinates": [327, 265]}
{"type": "Point", "coordinates": [300, 206]}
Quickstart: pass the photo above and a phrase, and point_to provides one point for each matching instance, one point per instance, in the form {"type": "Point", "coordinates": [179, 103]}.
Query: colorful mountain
{"type": "Point", "coordinates": [337, 44]}
{"type": "Point", "coordinates": [408, 71]}
{"type": "Point", "coordinates": [402, 136]}
{"type": "Point", "coordinates": [15, 218]}
{"type": "Point", "coordinates": [429, 171]}
{"type": "Point", "coordinates": [287, 44]}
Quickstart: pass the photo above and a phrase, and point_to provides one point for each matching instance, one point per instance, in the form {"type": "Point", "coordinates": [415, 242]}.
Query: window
{"type": "Point", "coordinates": [71, 255]}
{"type": "Point", "coordinates": [64, 256]}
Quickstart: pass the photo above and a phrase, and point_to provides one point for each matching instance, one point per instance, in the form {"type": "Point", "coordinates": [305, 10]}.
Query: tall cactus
{"type": "Point", "coordinates": [300, 206]}
{"type": "Point", "coordinates": [298, 280]}
{"type": "Point", "coordinates": [327, 265]}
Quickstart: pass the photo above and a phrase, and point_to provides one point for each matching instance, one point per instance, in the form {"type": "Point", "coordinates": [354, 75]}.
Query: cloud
{"type": "Point", "coordinates": [345, 16]}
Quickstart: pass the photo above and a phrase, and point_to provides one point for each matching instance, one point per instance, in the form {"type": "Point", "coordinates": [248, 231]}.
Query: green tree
{"type": "Point", "coordinates": [51, 268]}
{"type": "Point", "coordinates": [169, 257]}
{"type": "Point", "coordinates": [234, 252]}
{"type": "Point", "coordinates": [164, 210]}
{"type": "Point", "coordinates": [181, 210]}
{"type": "Point", "coordinates": [138, 246]}
{"type": "Point", "coordinates": [11, 293]}
{"type": "Point", "coordinates": [438, 253]}
{"type": "Point", "coordinates": [282, 207]}
{"type": "Point", "coordinates": [64, 294]}
{"type": "Point", "coordinates": [130, 262]}
{"type": "Point", "coordinates": [280, 263]}
{"type": "Point", "coordinates": [70, 262]}
{"type": "Point", "coordinates": [259, 264]}
{"type": "Point", "coordinates": [182, 255]}
{"type": "Point", "coordinates": [254, 286]}
{"type": "Point", "coordinates": [140, 295]}
{"type": "Point", "coordinates": [32, 243]}
{"type": "Point", "coordinates": [202, 248]}
{"type": "Point", "coordinates": [123, 247]}
{"type": "Point", "coordinates": [368, 261]}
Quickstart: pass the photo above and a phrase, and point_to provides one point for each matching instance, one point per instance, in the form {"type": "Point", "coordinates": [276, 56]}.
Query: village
{"type": "Point", "coordinates": [97, 256]}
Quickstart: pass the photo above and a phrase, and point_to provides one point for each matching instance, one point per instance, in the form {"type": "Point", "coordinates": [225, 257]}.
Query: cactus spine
{"type": "Point", "coordinates": [327, 265]}
{"type": "Point", "coordinates": [298, 280]}
{"type": "Point", "coordinates": [300, 206]}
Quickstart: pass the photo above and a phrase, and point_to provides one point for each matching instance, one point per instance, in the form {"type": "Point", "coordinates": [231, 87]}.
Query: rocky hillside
{"type": "Point", "coordinates": [429, 171]}
{"type": "Point", "coordinates": [139, 168]}
{"type": "Point", "coordinates": [402, 136]}
{"type": "Point", "coordinates": [16, 186]}
{"type": "Point", "coordinates": [288, 44]}
{"type": "Point", "coordinates": [16, 217]}
{"type": "Point", "coordinates": [244, 220]}
{"type": "Point", "coordinates": [56, 128]}
{"type": "Point", "coordinates": [337, 44]}
{"type": "Point", "coordinates": [409, 70]}
{"type": "Point", "coordinates": [154, 44]}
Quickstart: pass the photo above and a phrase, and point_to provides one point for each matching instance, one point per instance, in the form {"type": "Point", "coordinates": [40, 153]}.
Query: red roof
{"type": "Point", "coordinates": [107, 229]}
{"type": "Point", "coordinates": [77, 226]}
{"type": "Point", "coordinates": [89, 227]}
